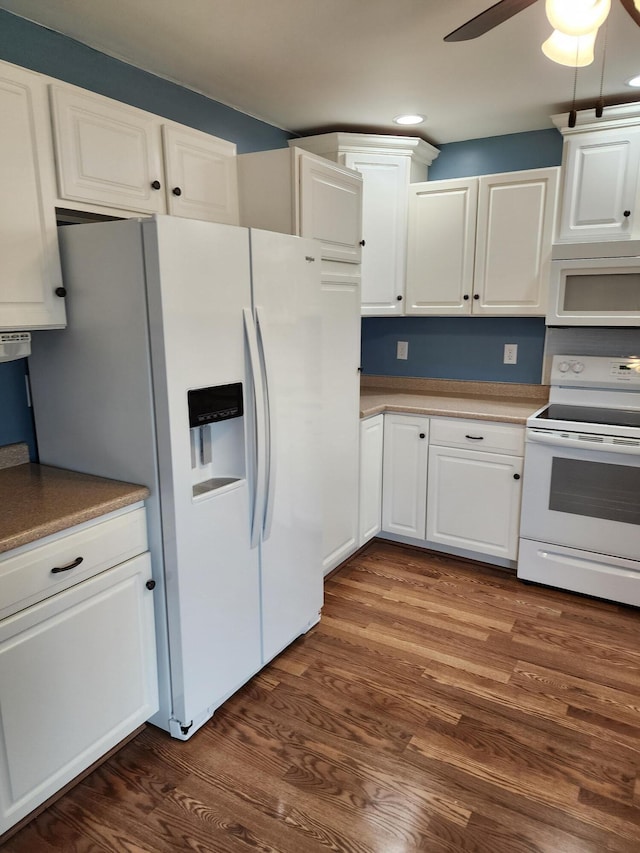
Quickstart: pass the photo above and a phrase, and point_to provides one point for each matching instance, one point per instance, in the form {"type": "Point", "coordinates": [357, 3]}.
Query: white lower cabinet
{"type": "Point", "coordinates": [452, 482]}
{"type": "Point", "coordinates": [404, 491]}
{"type": "Point", "coordinates": [473, 495]}
{"type": "Point", "coordinates": [371, 447]}
{"type": "Point", "coordinates": [77, 669]}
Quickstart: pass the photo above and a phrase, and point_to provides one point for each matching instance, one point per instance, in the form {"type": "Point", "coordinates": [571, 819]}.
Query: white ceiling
{"type": "Point", "coordinates": [308, 65]}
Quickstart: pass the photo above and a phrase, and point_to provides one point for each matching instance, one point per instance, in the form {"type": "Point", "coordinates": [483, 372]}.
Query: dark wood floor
{"type": "Point", "coordinates": [439, 706]}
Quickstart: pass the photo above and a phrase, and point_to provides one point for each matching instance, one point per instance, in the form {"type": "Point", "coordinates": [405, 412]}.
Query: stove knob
{"type": "Point", "coordinates": [577, 367]}
{"type": "Point", "coordinates": [563, 366]}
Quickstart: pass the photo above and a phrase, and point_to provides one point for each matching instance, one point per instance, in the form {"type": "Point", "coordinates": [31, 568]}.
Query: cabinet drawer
{"type": "Point", "coordinates": [27, 576]}
{"type": "Point", "coordinates": [487, 436]}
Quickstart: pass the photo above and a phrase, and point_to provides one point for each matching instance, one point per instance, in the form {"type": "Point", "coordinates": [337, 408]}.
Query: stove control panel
{"type": "Point", "coordinates": [595, 371]}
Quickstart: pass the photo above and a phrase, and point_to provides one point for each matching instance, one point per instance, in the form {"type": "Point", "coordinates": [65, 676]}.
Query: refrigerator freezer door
{"type": "Point", "coordinates": [286, 295]}
{"type": "Point", "coordinates": [198, 283]}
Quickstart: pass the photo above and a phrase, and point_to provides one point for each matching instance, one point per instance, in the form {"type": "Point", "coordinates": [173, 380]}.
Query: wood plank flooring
{"type": "Point", "coordinates": [439, 706]}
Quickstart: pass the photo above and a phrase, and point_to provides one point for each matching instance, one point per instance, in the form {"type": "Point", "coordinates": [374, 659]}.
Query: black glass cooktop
{"type": "Point", "coordinates": [590, 415]}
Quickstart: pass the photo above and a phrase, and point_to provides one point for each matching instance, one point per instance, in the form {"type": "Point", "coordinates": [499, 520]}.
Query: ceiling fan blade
{"type": "Point", "coordinates": [493, 16]}
{"type": "Point", "coordinates": [630, 6]}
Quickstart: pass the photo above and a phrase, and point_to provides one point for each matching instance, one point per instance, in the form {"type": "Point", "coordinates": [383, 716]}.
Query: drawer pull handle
{"type": "Point", "coordinates": [475, 437]}
{"type": "Point", "coordinates": [68, 568]}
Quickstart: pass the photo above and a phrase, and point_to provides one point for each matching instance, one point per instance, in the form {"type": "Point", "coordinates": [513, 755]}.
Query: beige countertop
{"type": "Point", "coordinates": [494, 401]}
{"type": "Point", "coordinates": [38, 500]}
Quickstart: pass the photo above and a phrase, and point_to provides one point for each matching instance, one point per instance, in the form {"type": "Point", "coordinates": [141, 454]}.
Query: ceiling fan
{"type": "Point", "coordinates": [505, 9]}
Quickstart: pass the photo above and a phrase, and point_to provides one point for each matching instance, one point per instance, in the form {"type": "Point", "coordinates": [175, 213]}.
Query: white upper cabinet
{"type": "Point", "coordinates": [29, 260]}
{"type": "Point", "coordinates": [481, 245]}
{"type": "Point", "coordinates": [514, 233]}
{"type": "Point", "coordinates": [201, 176]}
{"type": "Point", "coordinates": [601, 171]}
{"type": "Point", "coordinates": [106, 152]}
{"type": "Point", "coordinates": [111, 155]}
{"type": "Point", "coordinates": [294, 192]}
{"type": "Point", "coordinates": [387, 165]}
{"type": "Point", "coordinates": [441, 246]}
{"type": "Point", "coordinates": [330, 207]}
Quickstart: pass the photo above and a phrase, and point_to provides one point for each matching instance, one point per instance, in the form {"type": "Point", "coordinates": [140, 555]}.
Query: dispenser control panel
{"type": "Point", "coordinates": [215, 403]}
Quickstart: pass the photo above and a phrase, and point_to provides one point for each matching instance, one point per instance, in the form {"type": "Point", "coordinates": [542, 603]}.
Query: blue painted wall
{"type": "Point", "coordinates": [533, 150]}
{"type": "Point", "coordinates": [42, 50]}
{"type": "Point", "coordinates": [454, 347]}
{"type": "Point", "coordinates": [467, 347]}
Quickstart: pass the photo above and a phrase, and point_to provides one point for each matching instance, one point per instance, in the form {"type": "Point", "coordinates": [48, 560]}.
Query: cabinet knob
{"type": "Point", "coordinates": [466, 296]}
{"type": "Point", "coordinates": [422, 435]}
{"type": "Point", "coordinates": [516, 476]}
{"type": "Point", "coordinates": [476, 296]}
{"type": "Point", "coordinates": [626, 214]}
{"type": "Point", "coordinates": [362, 243]}
{"type": "Point", "coordinates": [150, 584]}
{"type": "Point", "coordinates": [399, 298]}
{"type": "Point", "coordinates": [156, 185]}
{"type": "Point", "coordinates": [176, 191]}
{"type": "Point", "coordinates": [60, 291]}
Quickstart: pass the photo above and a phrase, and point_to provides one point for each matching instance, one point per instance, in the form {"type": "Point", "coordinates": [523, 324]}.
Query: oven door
{"type": "Point", "coordinates": [579, 496]}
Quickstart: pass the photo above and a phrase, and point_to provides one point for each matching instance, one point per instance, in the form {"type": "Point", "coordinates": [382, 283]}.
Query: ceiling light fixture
{"type": "Point", "coordinates": [635, 81]}
{"type": "Point", "coordinates": [408, 119]}
{"type": "Point", "coordinates": [574, 51]}
{"type": "Point", "coordinates": [576, 24]}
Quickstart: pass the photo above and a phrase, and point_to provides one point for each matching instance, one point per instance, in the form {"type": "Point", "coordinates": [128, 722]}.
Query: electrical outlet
{"type": "Point", "coordinates": [510, 353]}
{"type": "Point", "coordinates": [402, 350]}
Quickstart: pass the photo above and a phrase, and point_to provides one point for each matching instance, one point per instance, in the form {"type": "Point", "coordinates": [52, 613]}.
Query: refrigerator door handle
{"type": "Point", "coordinates": [260, 473]}
{"type": "Point", "coordinates": [271, 466]}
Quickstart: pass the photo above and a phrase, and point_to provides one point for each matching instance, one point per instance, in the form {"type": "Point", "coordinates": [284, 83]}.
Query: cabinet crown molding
{"type": "Point", "coordinates": [360, 143]}
{"type": "Point", "coordinates": [621, 115]}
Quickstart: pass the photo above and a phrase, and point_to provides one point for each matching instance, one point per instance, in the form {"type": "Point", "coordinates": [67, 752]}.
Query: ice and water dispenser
{"type": "Point", "coordinates": [217, 437]}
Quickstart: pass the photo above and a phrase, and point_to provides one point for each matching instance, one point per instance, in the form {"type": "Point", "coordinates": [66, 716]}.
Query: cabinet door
{"type": "Point", "coordinates": [513, 242]}
{"type": "Point", "coordinates": [29, 258]}
{"type": "Point", "coordinates": [404, 490]}
{"type": "Point", "coordinates": [371, 444]}
{"type": "Point", "coordinates": [330, 207]}
{"type": "Point", "coordinates": [107, 153]}
{"type": "Point", "coordinates": [77, 675]}
{"type": "Point", "coordinates": [201, 177]}
{"type": "Point", "coordinates": [340, 414]}
{"type": "Point", "coordinates": [385, 179]}
{"type": "Point", "coordinates": [601, 176]}
{"type": "Point", "coordinates": [474, 500]}
{"type": "Point", "coordinates": [441, 246]}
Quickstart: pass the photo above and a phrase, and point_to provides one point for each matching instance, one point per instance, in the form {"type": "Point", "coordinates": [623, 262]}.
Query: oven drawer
{"type": "Point", "coordinates": [613, 578]}
{"type": "Point", "coordinates": [27, 574]}
{"type": "Point", "coordinates": [487, 436]}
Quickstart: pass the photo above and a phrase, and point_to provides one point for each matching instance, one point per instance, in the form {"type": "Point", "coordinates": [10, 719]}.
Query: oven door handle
{"type": "Point", "coordinates": [583, 444]}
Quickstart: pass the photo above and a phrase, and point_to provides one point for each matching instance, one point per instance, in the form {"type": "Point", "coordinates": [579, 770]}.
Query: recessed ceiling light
{"type": "Point", "coordinates": [409, 119]}
{"type": "Point", "coordinates": [635, 81]}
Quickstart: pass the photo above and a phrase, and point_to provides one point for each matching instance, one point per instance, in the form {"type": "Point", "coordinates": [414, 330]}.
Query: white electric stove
{"type": "Point", "coordinates": [580, 521]}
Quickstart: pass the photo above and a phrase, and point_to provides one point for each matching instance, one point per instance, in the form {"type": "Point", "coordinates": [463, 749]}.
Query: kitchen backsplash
{"type": "Point", "coordinates": [469, 348]}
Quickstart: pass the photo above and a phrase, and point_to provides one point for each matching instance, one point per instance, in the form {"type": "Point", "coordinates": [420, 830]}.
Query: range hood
{"type": "Point", "coordinates": [14, 345]}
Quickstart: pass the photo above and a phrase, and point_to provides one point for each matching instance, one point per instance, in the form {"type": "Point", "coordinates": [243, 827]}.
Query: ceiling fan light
{"type": "Point", "coordinates": [574, 51]}
{"type": "Point", "coordinates": [577, 17]}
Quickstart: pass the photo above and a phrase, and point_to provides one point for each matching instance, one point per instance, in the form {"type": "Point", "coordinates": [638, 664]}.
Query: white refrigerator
{"type": "Point", "coordinates": [191, 364]}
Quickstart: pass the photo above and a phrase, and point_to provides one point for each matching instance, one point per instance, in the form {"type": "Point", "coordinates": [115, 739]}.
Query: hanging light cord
{"type": "Point", "coordinates": [600, 101]}
{"type": "Point", "coordinates": [573, 114]}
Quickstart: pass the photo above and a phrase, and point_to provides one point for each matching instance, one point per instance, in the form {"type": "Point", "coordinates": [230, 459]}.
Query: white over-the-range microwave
{"type": "Point", "coordinates": [595, 284]}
